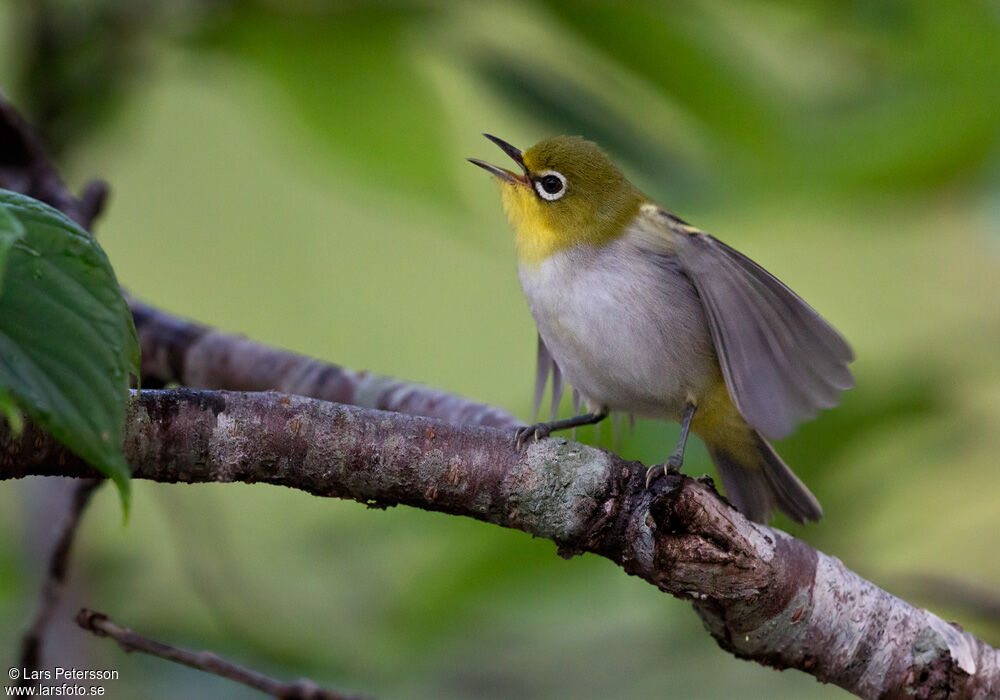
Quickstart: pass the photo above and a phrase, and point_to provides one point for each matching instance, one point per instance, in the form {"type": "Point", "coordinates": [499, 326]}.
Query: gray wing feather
{"type": "Point", "coordinates": [547, 365]}
{"type": "Point", "coordinates": [781, 360]}
{"type": "Point", "coordinates": [543, 368]}
{"type": "Point", "coordinates": [557, 390]}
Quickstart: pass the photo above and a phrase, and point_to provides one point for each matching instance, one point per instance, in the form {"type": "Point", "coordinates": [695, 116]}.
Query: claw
{"type": "Point", "coordinates": [652, 473]}
{"type": "Point", "coordinates": [519, 435]}
{"type": "Point", "coordinates": [538, 430]}
{"type": "Point", "coordinates": [672, 466]}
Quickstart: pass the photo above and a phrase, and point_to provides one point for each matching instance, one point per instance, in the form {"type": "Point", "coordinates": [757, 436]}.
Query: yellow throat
{"type": "Point", "coordinates": [570, 193]}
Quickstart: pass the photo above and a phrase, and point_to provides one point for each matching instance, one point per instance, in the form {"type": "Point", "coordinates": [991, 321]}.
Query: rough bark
{"type": "Point", "coordinates": [764, 595]}
{"type": "Point", "coordinates": [201, 357]}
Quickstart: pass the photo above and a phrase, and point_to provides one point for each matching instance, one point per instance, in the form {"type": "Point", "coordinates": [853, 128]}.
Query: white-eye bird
{"type": "Point", "coordinates": [645, 314]}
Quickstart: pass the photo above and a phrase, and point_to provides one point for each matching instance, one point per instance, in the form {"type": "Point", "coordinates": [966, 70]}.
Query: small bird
{"type": "Point", "coordinates": [643, 313]}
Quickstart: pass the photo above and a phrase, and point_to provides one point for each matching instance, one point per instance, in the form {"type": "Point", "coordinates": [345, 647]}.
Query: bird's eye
{"type": "Point", "coordinates": [551, 185]}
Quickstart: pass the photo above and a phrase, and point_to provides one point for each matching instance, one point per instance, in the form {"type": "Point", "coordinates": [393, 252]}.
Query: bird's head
{"type": "Point", "coordinates": [569, 193]}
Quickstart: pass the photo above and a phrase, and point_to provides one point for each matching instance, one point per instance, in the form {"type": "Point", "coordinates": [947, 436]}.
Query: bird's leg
{"type": "Point", "coordinates": [543, 430]}
{"type": "Point", "coordinates": [677, 458]}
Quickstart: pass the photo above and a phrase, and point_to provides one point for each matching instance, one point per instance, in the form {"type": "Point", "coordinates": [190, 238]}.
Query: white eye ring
{"type": "Point", "coordinates": [550, 196]}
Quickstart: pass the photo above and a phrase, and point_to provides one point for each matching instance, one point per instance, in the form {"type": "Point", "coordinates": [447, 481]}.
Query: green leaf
{"type": "Point", "coordinates": [11, 232]}
{"type": "Point", "coordinates": [67, 341]}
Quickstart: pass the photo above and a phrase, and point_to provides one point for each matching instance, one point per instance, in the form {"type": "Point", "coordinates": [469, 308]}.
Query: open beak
{"type": "Point", "coordinates": [503, 173]}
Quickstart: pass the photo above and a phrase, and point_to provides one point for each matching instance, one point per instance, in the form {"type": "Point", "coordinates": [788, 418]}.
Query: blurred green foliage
{"type": "Point", "coordinates": [295, 171]}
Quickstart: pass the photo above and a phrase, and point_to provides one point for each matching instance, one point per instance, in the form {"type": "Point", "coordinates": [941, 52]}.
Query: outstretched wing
{"type": "Point", "coordinates": [781, 360]}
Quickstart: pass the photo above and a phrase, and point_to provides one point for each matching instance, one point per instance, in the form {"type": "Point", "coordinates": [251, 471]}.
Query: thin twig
{"type": "Point", "coordinates": [55, 580]}
{"type": "Point", "coordinates": [209, 662]}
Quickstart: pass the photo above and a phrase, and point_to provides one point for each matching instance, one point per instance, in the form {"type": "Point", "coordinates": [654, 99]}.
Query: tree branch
{"type": "Point", "coordinates": [201, 357]}
{"type": "Point", "coordinates": [25, 168]}
{"type": "Point", "coordinates": [764, 595]}
{"type": "Point", "coordinates": [102, 626]}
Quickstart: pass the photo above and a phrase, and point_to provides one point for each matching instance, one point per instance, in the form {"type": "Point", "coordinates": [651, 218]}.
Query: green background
{"type": "Point", "coordinates": [295, 172]}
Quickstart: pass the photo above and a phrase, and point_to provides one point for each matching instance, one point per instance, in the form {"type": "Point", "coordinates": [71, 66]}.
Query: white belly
{"type": "Point", "coordinates": [628, 333]}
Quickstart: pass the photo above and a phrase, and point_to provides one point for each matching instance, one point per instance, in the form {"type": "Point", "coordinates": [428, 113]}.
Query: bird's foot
{"type": "Point", "coordinates": [525, 433]}
{"type": "Point", "coordinates": [672, 466]}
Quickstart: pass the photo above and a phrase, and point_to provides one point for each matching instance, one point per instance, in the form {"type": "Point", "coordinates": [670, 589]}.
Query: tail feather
{"type": "Point", "coordinates": [759, 481]}
{"type": "Point", "coordinates": [747, 490]}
